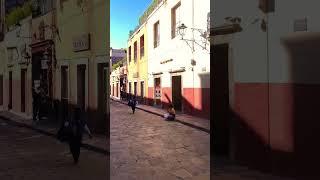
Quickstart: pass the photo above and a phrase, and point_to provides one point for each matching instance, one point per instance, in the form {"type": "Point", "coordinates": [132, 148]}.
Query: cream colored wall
{"type": "Point", "coordinates": [142, 62]}
{"type": "Point", "coordinates": [72, 21]}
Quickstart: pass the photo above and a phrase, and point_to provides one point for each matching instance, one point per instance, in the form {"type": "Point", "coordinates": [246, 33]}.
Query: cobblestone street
{"type": "Point", "coordinates": [27, 155]}
{"type": "Point", "coordinates": [144, 146]}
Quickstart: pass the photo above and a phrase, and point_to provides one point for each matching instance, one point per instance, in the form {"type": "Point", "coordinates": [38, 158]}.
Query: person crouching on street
{"type": "Point", "coordinates": [171, 113]}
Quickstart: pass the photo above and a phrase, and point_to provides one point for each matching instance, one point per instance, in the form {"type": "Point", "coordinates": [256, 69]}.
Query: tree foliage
{"type": "Point", "coordinates": [145, 15]}
{"type": "Point", "coordinates": [18, 14]}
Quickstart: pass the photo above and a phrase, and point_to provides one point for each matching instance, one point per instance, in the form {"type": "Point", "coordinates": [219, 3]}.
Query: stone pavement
{"type": "Point", "coordinates": [196, 122]}
{"type": "Point", "coordinates": [98, 142]}
{"type": "Point", "coordinates": [145, 146]}
{"type": "Point", "coordinates": [28, 155]}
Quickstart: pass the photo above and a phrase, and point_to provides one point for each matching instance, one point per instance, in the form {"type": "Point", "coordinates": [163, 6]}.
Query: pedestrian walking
{"type": "Point", "coordinates": [171, 113]}
{"type": "Point", "coordinates": [36, 104]}
{"type": "Point", "coordinates": [133, 104]}
{"type": "Point", "coordinates": [73, 132]}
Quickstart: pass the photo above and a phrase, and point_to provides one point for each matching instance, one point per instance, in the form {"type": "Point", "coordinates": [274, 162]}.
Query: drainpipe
{"type": "Point", "coordinates": [268, 79]}
{"type": "Point", "coordinates": [193, 51]}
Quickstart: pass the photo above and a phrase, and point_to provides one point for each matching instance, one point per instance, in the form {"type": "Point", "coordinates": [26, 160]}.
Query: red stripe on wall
{"type": "Point", "coordinates": [196, 101]}
{"type": "Point", "coordinates": [251, 124]}
{"type": "Point", "coordinates": [294, 127]}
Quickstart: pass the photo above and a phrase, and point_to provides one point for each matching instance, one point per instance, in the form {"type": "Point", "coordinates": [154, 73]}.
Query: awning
{"type": "Point", "coordinates": [225, 29]}
{"type": "Point", "coordinates": [41, 46]}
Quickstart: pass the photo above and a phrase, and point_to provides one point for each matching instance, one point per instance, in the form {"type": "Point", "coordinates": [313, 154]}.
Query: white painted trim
{"type": "Point", "coordinates": [64, 62]}
{"type": "Point", "coordinates": [102, 59]}
{"type": "Point", "coordinates": [79, 61]}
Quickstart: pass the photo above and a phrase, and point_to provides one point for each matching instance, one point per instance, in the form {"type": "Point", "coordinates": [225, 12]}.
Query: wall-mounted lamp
{"type": "Point", "coordinates": [182, 29]}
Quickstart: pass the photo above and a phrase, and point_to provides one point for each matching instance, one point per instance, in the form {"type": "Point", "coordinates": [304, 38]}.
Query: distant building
{"type": "Point", "coordinates": [117, 54]}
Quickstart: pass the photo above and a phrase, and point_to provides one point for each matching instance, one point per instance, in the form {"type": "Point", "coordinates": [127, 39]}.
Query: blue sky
{"type": "Point", "coordinates": [124, 16]}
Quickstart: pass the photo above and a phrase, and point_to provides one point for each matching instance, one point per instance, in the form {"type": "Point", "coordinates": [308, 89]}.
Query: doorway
{"type": "Point", "coordinates": [10, 91]}
{"type": "Point", "coordinates": [135, 84]}
{"type": "Point", "coordinates": [117, 89]}
{"type": "Point", "coordinates": [157, 91]}
{"type": "Point", "coordinates": [23, 89]}
{"type": "Point", "coordinates": [176, 93]}
{"type": "Point", "coordinates": [81, 86]}
{"type": "Point", "coordinates": [64, 91]}
{"type": "Point", "coordinates": [1, 89]}
{"type": "Point", "coordinates": [220, 108]}
{"type": "Point", "coordinates": [102, 86]}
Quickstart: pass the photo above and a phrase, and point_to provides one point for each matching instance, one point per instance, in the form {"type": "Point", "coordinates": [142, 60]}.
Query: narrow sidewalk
{"type": "Point", "coordinates": [192, 121]}
{"type": "Point", "coordinates": [98, 143]}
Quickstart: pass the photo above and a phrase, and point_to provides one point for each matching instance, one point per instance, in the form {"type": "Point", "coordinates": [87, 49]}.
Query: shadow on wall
{"type": "Point", "coordinates": [303, 51]}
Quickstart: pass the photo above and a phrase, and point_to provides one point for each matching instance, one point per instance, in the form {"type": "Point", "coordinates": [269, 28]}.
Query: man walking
{"type": "Point", "coordinates": [36, 104]}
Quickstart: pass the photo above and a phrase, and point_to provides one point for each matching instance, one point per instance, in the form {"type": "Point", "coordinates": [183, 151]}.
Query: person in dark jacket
{"type": "Point", "coordinates": [78, 127]}
{"type": "Point", "coordinates": [36, 104]}
{"type": "Point", "coordinates": [133, 104]}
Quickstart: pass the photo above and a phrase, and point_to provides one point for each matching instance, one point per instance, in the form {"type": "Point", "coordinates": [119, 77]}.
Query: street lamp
{"type": "Point", "coordinates": [182, 28]}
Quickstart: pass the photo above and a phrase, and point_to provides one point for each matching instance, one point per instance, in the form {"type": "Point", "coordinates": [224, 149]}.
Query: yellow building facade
{"type": "Point", "coordinates": [83, 59]}
{"type": "Point", "coordinates": [137, 60]}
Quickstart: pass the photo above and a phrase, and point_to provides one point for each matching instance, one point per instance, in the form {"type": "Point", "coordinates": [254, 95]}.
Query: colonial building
{"type": "Point", "coordinates": [267, 83]}
{"type": "Point", "coordinates": [179, 56]}
{"type": "Point", "coordinates": [137, 61]}
{"type": "Point", "coordinates": [44, 32]}
{"type": "Point", "coordinates": [82, 53]}
{"type": "Point", "coordinates": [118, 80]}
{"type": "Point", "coordinates": [16, 69]}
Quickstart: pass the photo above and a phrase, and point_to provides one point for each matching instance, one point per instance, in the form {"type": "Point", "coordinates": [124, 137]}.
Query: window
{"type": "Point", "coordinates": [156, 34]}
{"type": "Point", "coordinates": [135, 52]}
{"type": "Point", "coordinates": [129, 54]}
{"type": "Point", "coordinates": [141, 46]}
{"type": "Point", "coordinates": [142, 88]}
{"type": "Point", "coordinates": [42, 7]}
{"type": "Point", "coordinates": [175, 20]}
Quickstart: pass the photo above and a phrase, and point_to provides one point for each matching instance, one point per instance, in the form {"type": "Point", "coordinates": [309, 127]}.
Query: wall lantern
{"type": "Point", "coordinates": [204, 35]}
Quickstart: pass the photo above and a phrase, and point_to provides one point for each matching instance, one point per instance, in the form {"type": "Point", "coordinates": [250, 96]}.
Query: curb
{"type": "Point", "coordinates": [177, 120]}
{"type": "Point", "coordinates": [84, 145]}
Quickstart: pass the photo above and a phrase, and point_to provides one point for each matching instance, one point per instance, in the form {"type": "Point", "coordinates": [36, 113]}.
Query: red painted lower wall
{"type": "Point", "coordinates": [285, 118]}
{"type": "Point", "coordinates": [196, 101]}
{"type": "Point", "coordinates": [251, 124]}
{"type": "Point", "coordinates": [150, 96]}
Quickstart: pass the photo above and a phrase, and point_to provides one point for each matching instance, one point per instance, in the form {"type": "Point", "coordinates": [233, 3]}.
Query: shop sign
{"type": "Point", "coordinates": [81, 43]}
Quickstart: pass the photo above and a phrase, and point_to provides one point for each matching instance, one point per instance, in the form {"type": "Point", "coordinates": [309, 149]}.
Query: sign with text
{"type": "Point", "coordinates": [81, 43]}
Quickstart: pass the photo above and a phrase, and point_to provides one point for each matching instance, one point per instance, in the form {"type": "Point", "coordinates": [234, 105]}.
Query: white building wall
{"type": "Point", "coordinates": [177, 49]}
{"type": "Point", "coordinates": [248, 48]}
{"type": "Point", "coordinates": [281, 25]}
